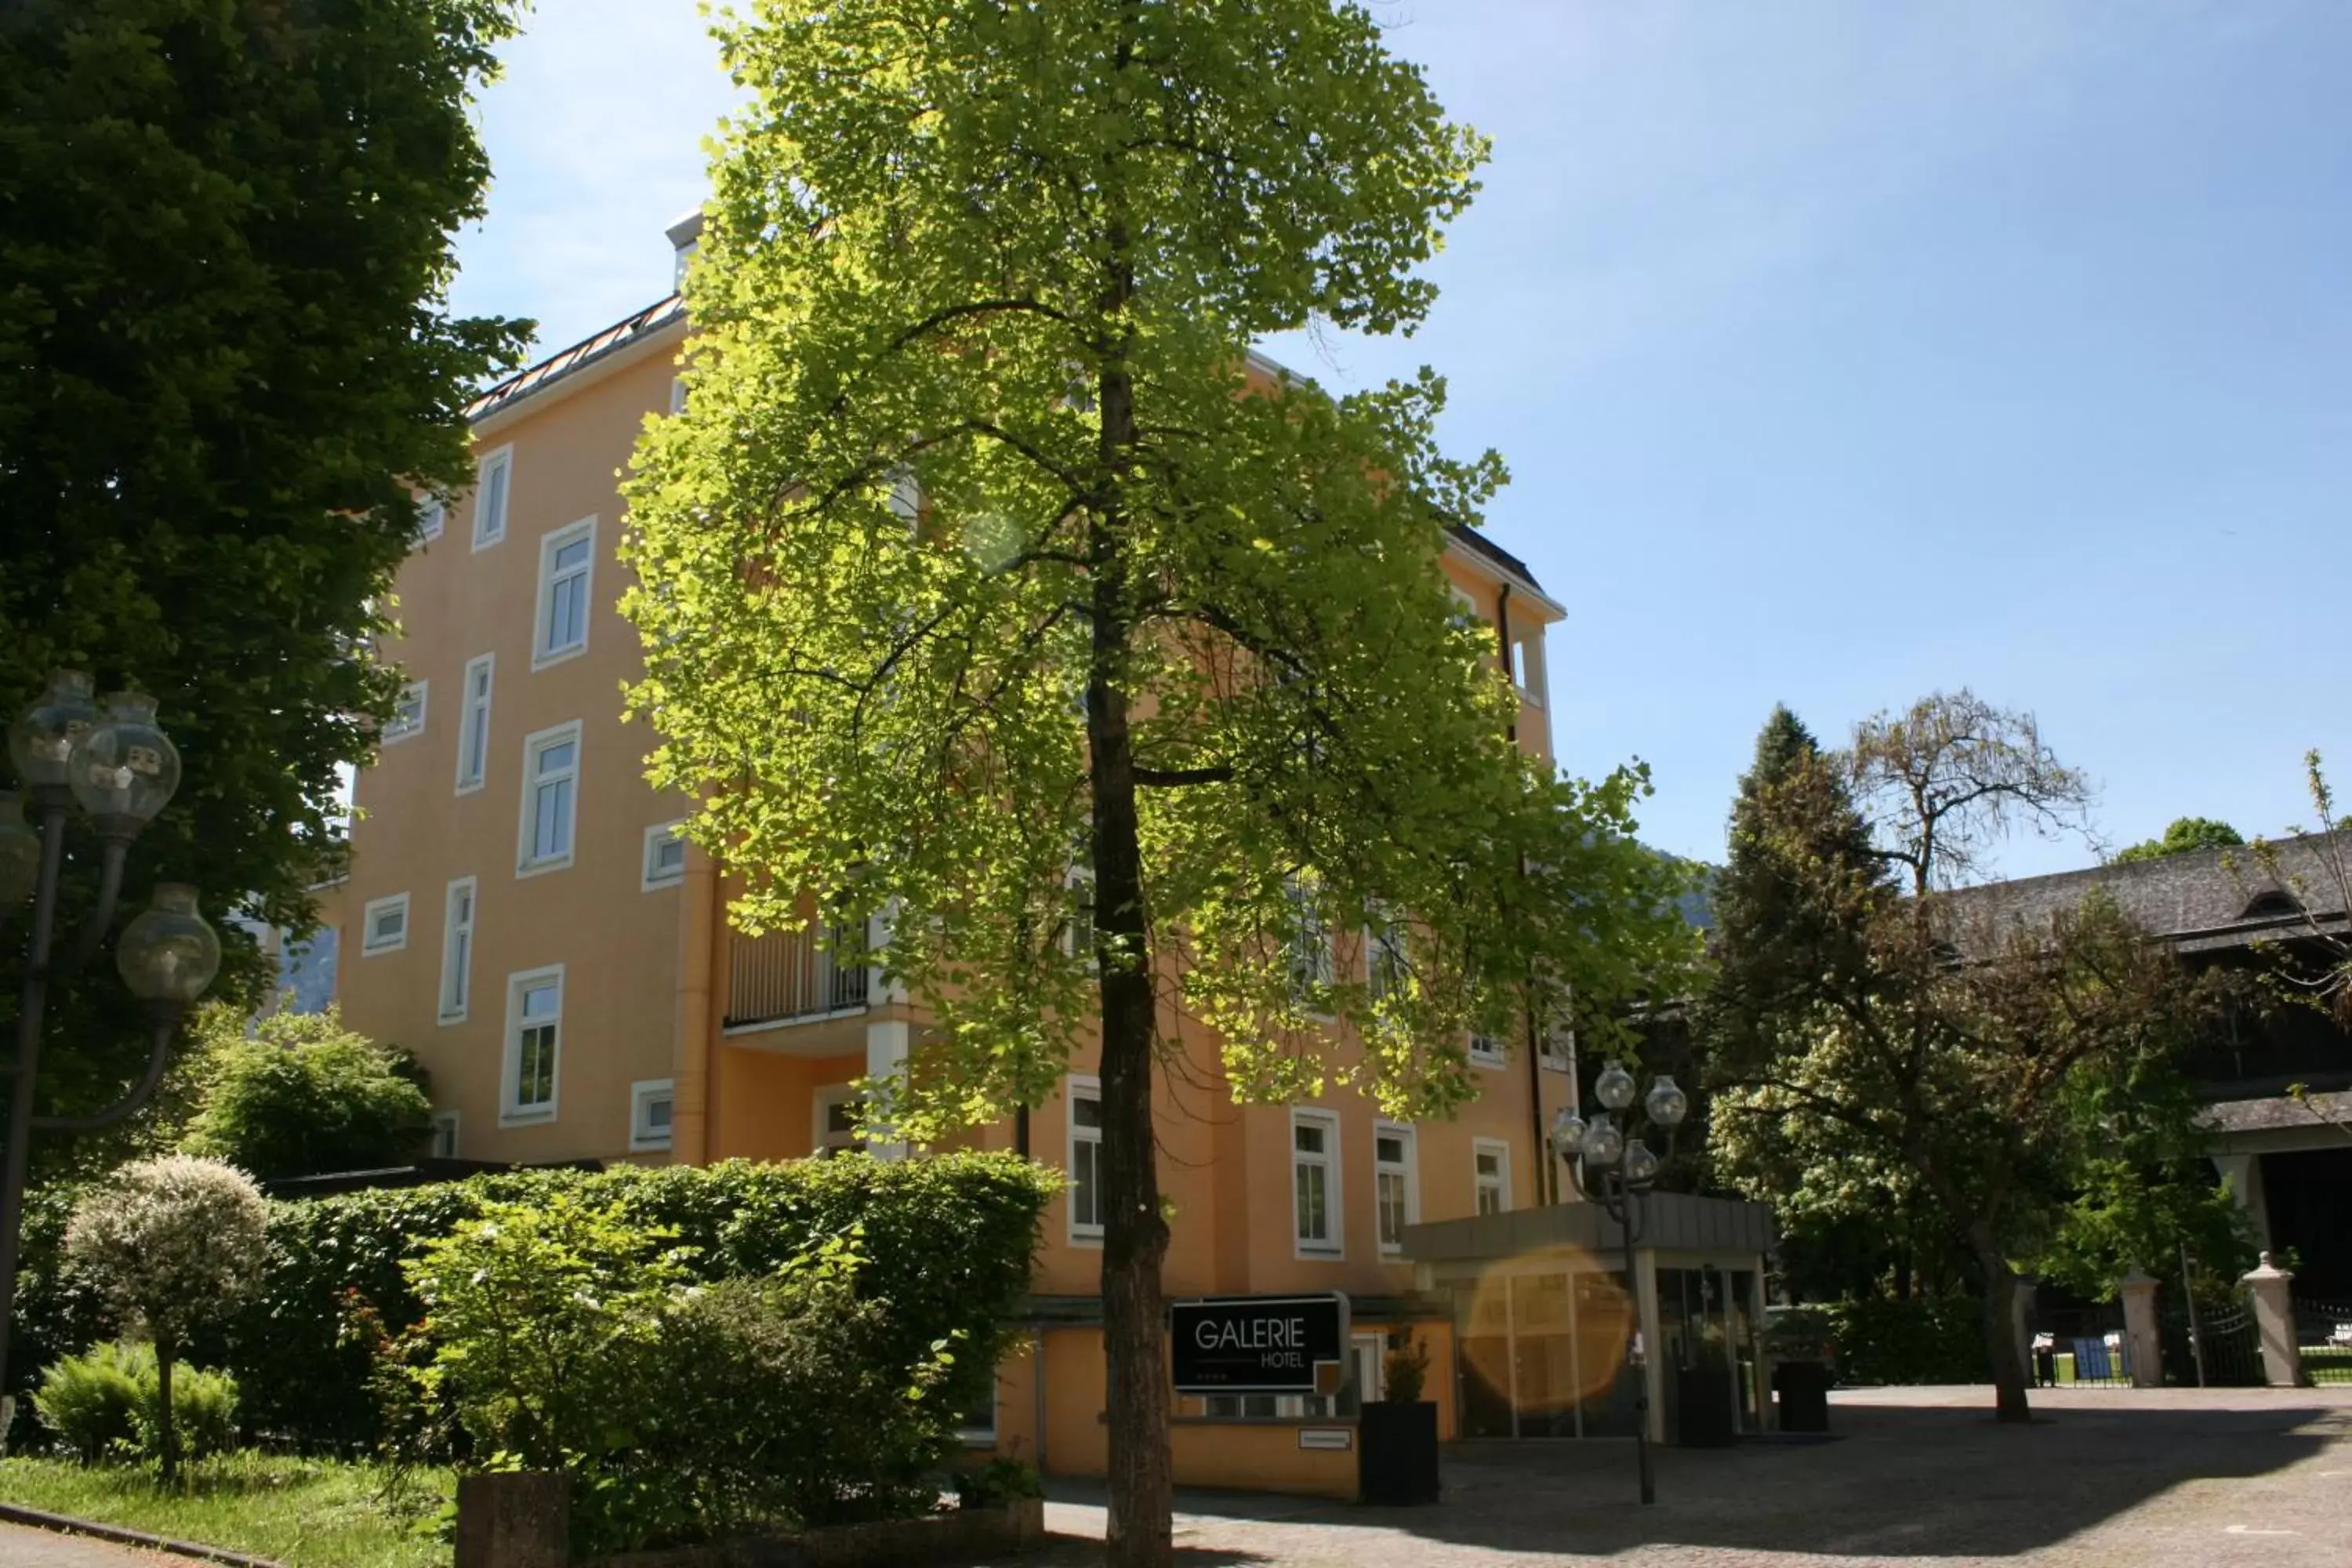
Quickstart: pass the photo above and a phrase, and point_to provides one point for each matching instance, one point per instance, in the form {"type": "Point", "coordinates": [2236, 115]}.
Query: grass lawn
{"type": "Point", "coordinates": [307, 1514]}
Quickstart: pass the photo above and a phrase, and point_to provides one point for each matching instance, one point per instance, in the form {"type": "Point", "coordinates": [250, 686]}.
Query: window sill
{"type": "Point", "coordinates": [1490, 1064]}
{"type": "Point", "coordinates": [664, 885]}
{"type": "Point", "coordinates": [649, 1146]}
{"type": "Point", "coordinates": [974, 1437]}
{"type": "Point", "coordinates": [526, 1118]}
{"type": "Point", "coordinates": [446, 1019]}
{"type": "Point", "coordinates": [390, 739]}
{"type": "Point", "coordinates": [381, 951]}
{"type": "Point", "coordinates": [474, 788]}
{"type": "Point", "coordinates": [541, 868]}
{"type": "Point", "coordinates": [1321, 1255]}
{"type": "Point", "coordinates": [486, 541]}
{"type": "Point", "coordinates": [1089, 1238]}
{"type": "Point", "coordinates": [540, 661]}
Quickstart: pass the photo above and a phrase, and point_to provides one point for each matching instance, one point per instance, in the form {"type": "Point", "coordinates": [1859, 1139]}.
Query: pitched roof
{"type": "Point", "coordinates": [2200, 900]}
{"type": "Point", "coordinates": [661, 313]}
{"type": "Point", "coordinates": [536, 377]}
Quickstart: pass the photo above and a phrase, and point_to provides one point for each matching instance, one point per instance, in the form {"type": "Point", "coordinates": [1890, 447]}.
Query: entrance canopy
{"type": "Point", "coordinates": [1665, 1222]}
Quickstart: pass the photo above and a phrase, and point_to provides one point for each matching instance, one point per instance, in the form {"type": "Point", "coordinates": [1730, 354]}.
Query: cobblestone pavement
{"type": "Point", "coordinates": [21, 1548]}
{"type": "Point", "coordinates": [2104, 1478]}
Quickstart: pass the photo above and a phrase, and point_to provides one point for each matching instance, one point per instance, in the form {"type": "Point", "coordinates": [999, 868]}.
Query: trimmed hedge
{"type": "Point", "coordinates": [949, 1241]}
{"type": "Point", "coordinates": [1923, 1340]}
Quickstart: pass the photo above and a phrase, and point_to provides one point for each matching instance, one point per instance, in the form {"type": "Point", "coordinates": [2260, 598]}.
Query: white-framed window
{"type": "Point", "coordinates": [1396, 1183]}
{"type": "Point", "coordinates": [677, 394]}
{"type": "Point", "coordinates": [408, 713]}
{"type": "Point", "coordinates": [493, 478]}
{"type": "Point", "coordinates": [1559, 1048]}
{"type": "Point", "coordinates": [650, 1101]}
{"type": "Point", "coordinates": [445, 1135]}
{"type": "Point", "coordinates": [1316, 1198]}
{"type": "Point", "coordinates": [474, 723]}
{"type": "Point", "coordinates": [906, 498]}
{"type": "Point", "coordinates": [1465, 605]}
{"type": "Point", "coordinates": [550, 799]}
{"type": "Point", "coordinates": [1486, 1050]}
{"type": "Point", "coordinates": [1528, 664]}
{"type": "Point", "coordinates": [1386, 970]}
{"type": "Point", "coordinates": [977, 1429]}
{"type": "Point", "coordinates": [457, 950]}
{"type": "Point", "coordinates": [835, 1113]}
{"type": "Point", "coordinates": [1082, 1095]}
{"type": "Point", "coordinates": [1309, 955]}
{"type": "Point", "coordinates": [1078, 915]}
{"type": "Point", "coordinates": [665, 859]}
{"type": "Point", "coordinates": [567, 566]}
{"type": "Point", "coordinates": [383, 926]}
{"type": "Point", "coordinates": [534, 1044]}
{"type": "Point", "coordinates": [432, 516]}
{"type": "Point", "coordinates": [1490, 1172]}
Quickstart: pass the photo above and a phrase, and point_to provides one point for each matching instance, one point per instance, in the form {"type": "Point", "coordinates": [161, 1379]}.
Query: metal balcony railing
{"type": "Point", "coordinates": [785, 974]}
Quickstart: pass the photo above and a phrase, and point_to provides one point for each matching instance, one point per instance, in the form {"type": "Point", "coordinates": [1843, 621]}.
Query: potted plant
{"type": "Point", "coordinates": [1396, 1437]}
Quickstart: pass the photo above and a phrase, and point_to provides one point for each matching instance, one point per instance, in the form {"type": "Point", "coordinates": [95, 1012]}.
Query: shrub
{"type": "Point", "coordinates": [761, 1376]}
{"type": "Point", "coordinates": [1919, 1340]}
{"type": "Point", "coordinates": [947, 1240]}
{"type": "Point", "coordinates": [998, 1482]}
{"type": "Point", "coordinates": [173, 1241]}
{"type": "Point", "coordinates": [91, 1400]}
{"type": "Point", "coordinates": [538, 1315]}
{"type": "Point", "coordinates": [1406, 1367]}
{"type": "Point", "coordinates": [302, 1096]}
{"type": "Point", "coordinates": [108, 1402]}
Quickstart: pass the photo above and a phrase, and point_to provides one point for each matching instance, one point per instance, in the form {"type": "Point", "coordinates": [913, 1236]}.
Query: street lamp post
{"type": "Point", "coordinates": [120, 770]}
{"type": "Point", "coordinates": [1611, 1169]}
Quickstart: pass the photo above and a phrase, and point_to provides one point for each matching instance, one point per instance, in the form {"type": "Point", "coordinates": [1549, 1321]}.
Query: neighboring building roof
{"type": "Point", "coordinates": [536, 378]}
{"type": "Point", "coordinates": [2202, 899]}
{"type": "Point", "coordinates": [2277, 1113]}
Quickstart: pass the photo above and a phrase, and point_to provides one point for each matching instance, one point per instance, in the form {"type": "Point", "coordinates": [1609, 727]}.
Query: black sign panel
{"type": "Point", "coordinates": [1255, 1344]}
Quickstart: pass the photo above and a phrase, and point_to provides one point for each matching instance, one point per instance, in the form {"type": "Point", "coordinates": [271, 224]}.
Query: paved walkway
{"type": "Point", "coordinates": [2105, 1478]}
{"type": "Point", "coordinates": [21, 1548]}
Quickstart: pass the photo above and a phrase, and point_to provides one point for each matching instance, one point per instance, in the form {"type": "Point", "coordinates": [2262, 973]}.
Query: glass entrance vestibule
{"type": "Point", "coordinates": [1551, 1343]}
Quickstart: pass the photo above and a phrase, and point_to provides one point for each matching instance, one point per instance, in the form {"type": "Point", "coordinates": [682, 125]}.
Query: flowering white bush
{"type": "Point", "coordinates": [173, 1241]}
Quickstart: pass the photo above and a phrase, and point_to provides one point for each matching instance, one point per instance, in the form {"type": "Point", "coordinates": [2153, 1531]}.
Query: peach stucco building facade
{"type": "Point", "coordinates": [518, 917]}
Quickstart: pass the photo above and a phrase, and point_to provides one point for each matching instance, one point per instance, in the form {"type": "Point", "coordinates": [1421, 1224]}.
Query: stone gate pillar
{"type": "Point", "coordinates": [2143, 1345]}
{"type": "Point", "coordinates": [2275, 1321]}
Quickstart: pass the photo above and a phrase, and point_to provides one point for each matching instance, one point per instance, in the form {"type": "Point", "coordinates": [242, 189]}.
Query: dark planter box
{"type": "Point", "coordinates": [1804, 1390]}
{"type": "Point", "coordinates": [1703, 1405]}
{"type": "Point", "coordinates": [1396, 1453]}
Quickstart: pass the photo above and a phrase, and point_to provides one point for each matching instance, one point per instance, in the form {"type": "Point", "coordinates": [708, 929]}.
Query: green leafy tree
{"type": "Point", "coordinates": [222, 282]}
{"type": "Point", "coordinates": [302, 1096]}
{"type": "Point", "coordinates": [174, 1242]}
{"type": "Point", "coordinates": [1913, 1053]}
{"type": "Point", "coordinates": [2187, 832]}
{"type": "Point", "coordinates": [984, 556]}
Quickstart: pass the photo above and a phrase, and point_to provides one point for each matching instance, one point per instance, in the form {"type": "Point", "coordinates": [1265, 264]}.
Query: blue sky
{"type": "Point", "coordinates": [1839, 352]}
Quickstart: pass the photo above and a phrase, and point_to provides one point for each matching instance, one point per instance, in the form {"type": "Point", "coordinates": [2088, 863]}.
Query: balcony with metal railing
{"type": "Point", "coordinates": [789, 976]}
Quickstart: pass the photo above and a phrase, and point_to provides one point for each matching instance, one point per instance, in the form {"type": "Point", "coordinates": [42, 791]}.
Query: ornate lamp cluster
{"type": "Point", "coordinates": [1611, 1167]}
{"type": "Point", "coordinates": [121, 769]}
{"type": "Point", "coordinates": [1603, 1145]}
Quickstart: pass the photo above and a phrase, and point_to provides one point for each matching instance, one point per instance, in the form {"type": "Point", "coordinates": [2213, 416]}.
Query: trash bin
{"type": "Point", "coordinates": [1803, 1390]}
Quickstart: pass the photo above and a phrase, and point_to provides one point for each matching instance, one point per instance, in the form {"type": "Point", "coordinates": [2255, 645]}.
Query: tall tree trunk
{"type": "Point", "coordinates": [2000, 1329]}
{"type": "Point", "coordinates": [167, 1438]}
{"type": "Point", "coordinates": [1135, 1235]}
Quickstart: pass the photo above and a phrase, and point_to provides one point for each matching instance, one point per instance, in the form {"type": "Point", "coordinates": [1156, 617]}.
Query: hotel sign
{"type": "Point", "coordinates": [1257, 1344]}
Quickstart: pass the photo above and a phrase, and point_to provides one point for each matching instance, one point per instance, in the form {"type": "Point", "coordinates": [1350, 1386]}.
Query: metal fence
{"type": "Point", "coordinates": [2082, 1346]}
{"type": "Point", "coordinates": [789, 974]}
{"type": "Point", "coordinates": [2216, 1348]}
{"type": "Point", "coordinates": [2324, 1332]}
